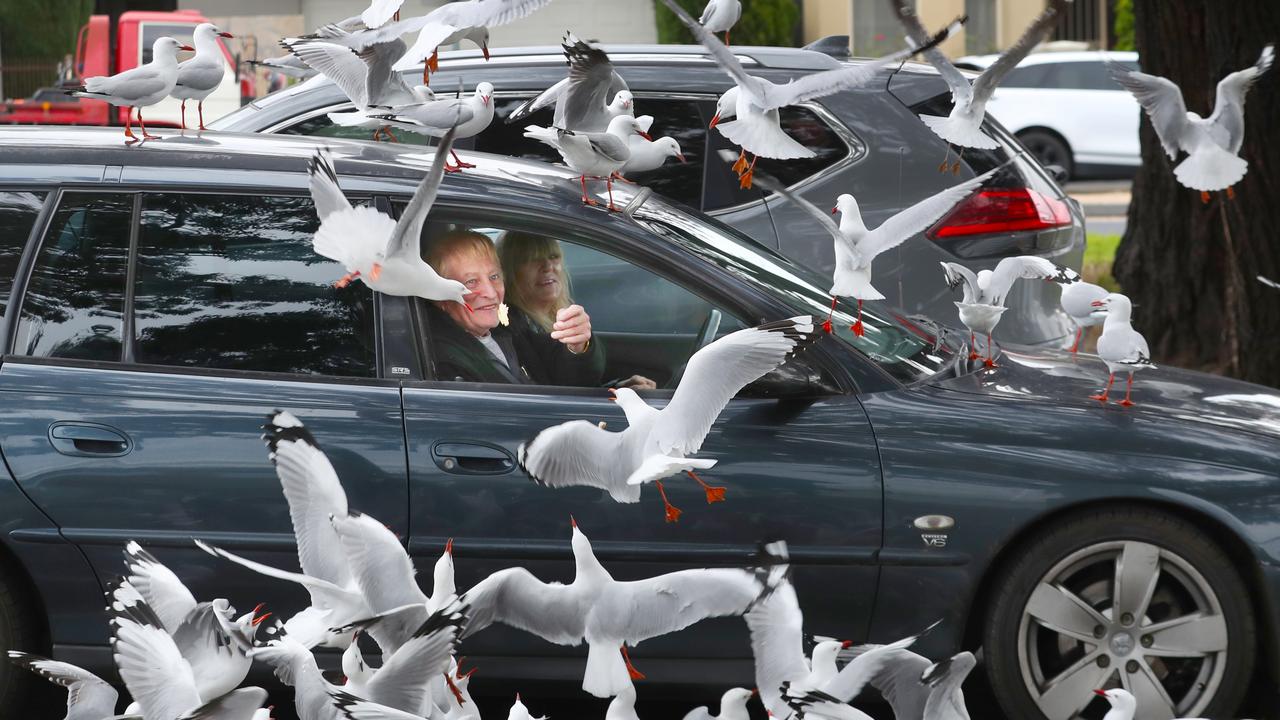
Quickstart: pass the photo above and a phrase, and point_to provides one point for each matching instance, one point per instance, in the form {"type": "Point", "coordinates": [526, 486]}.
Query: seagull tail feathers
{"type": "Point", "coordinates": [959, 131]}
{"type": "Point", "coordinates": [606, 674]}
{"type": "Point", "coordinates": [1210, 168]}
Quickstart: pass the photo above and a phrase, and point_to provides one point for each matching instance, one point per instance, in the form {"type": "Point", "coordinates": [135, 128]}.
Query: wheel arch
{"type": "Point", "coordinates": [1226, 539]}
{"type": "Point", "coordinates": [1049, 131]}
{"type": "Point", "coordinates": [13, 571]}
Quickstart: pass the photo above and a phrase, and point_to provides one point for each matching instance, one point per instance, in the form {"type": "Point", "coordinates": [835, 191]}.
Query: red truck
{"type": "Point", "coordinates": [135, 32]}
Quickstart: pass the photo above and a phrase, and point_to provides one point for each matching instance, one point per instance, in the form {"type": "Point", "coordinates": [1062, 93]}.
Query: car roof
{"type": "Point", "coordinates": [1042, 58]}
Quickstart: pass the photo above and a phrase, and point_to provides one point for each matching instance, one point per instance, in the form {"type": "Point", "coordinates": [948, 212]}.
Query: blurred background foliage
{"type": "Point", "coordinates": [764, 22]}
{"type": "Point", "coordinates": [34, 36]}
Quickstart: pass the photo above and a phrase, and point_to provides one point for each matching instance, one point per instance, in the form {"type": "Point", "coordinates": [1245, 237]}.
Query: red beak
{"type": "Point", "coordinates": [186, 47]}
{"type": "Point", "coordinates": [484, 99]}
{"type": "Point", "coordinates": [714, 121]}
{"type": "Point", "coordinates": [681, 158]}
{"type": "Point", "coordinates": [1100, 692]}
{"type": "Point", "coordinates": [448, 546]}
{"type": "Point", "coordinates": [225, 35]}
{"type": "Point", "coordinates": [644, 135]}
{"type": "Point", "coordinates": [846, 644]}
{"type": "Point", "coordinates": [258, 620]}
{"type": "Point", "coordinates": [485, 49]}
{"type": "Point", "coordinates": [613, 395]}
{"type": "Point", "coordinates": [755, 691]}
{"type": "Point", "coordinates": [1097, 303]}
{"type": "Point", "coordinates": [572, 522]}
{"type": "Point", "coordinates": [835, 210]}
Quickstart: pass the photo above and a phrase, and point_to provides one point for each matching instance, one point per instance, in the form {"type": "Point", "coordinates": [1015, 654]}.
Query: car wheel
{"type": "Point", "coordinates": [17, 632]}
{"type": "Point", "coordinates": [1128, 598]}
{"type": "Point", "coordinates": [1049, 149]}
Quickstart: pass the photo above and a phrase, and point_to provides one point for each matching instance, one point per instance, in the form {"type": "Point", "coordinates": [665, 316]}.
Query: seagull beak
{"type": "Point", "coordinates": [846, 644]}
{"type": "Point", "coordinates": [714, 121]}
{"type": "Point", "coordinates": [680, 157]}
{"type": "Point", "coordinates": [258, 620]}
{"type": "Point", "coordinates": [225, 35]}
{"type": "Point", "coordinates": [645, 135]}
{"type": "Point", "coordinates": [835, 210]}
{"type": "Point", "coordinates": [1100, 693]}
{"type": "Point", "coordinates": [755, 691]}
{"type": "Point", "coordinates": [613, 395]}
{"type": "Point", "coordinates": [484, 99]}
{"type": "Point", "coordinates": [485, 50]}
{"type": "Point", "coordinates": [572, 523]}
{"type": "Point", "coordinates": [448, 547]}
{"type": "Point", "coordinates": [1098, 303]}
{"type": "Point", "coordinates": [187, 48]}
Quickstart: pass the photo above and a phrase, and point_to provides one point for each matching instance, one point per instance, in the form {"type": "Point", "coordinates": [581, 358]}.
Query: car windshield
{"type": "Point", "coordinates": [908, 349]}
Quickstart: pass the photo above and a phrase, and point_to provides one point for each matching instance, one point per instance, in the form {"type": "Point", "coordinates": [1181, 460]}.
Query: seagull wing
{"type": "Point", "coordinates": [723, 56]}
{"type": "Point", "coordinates": [1160, 98]}
{"type": "Point", "coordinates": [429, 39]}
{"type": "Point", "coordinates": [554, 612]}
{"type": "Point", "coordinates": [608, 145]}
{"type": "Point", "coordinates": [384, 85]}
{"type": "Point", "coordinates": [777, 642]}
{"type": "Point", "coordinates": [323, 180]}
{"type": "Point", "coordinates": [153, 670]}
{"type": "Point", "coordinates": [961, 90]}
{"type": "Point", "coordinates": [487, 13]}
{"type": "Point", "coordinates": [1228, 108]}
{"type": "Point", "coordinates": [336, 62]}
{"type": "Point", "coordinates": [985, 85]}
{"type": "Point", "coordinates": [402, 681]}
{"type": "Point", "coordinates": [132, 84]}
{"type": "Point", "coordinates": [314, 492]}
{"type": "Point", "coordinates": [957, 274]}
{"type": "Point", "coordinates": [643, 609]}
{"type": "Point", "coordinates": [579, 452]}
{"type": "Point", "coordinates": [919, 217]}
{"type": "Point", "coordinates": [1011, 269]}
{"type": "Point", "coordinates": [379, 12]}
{"type": "Point", "coordinates": [158, 585]}
{"type": "Point", "coordinates": [860, 671]}
{"type": "Point", "coordinates": [717, 372]}
{"type": "Point", "coordinates": [544, 99]}
{"type": "Point", "coordinates": [582, 105]}
{"type": "Point", "coordinates": [324, 594]}
{"type": "Point", "coordinates": [203, 642]}
{"type": "Point", "coordinates": [406, 241]}
{"type": "Point", "coordinates": [382, 569]}
{"type": "Point", "coordinates": [235, 705]}
{"type": "Point", "coordinates": [353, 708]}
{"type": "Point", "coordinates": [89, 697]}
{"type": "Point", "coordinates": [898, 680]}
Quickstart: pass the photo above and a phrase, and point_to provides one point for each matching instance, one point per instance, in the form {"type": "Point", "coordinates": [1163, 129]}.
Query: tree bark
{"type": "Point", "coordinates": [1190, 267]}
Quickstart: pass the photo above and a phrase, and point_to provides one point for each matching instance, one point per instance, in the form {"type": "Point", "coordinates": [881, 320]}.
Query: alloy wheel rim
{"type": "Point", "coordinates": [1123, 614]}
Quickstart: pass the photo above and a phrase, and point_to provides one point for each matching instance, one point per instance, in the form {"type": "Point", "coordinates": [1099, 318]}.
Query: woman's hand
{"type": "Point", "coordinates": [638, 382]}
{"type": "Point", "coordinates": [573, 328]}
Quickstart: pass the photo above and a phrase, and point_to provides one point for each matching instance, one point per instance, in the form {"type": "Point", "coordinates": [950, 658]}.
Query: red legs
{"type": "Point", "coordinates": [990, 361]}
{"type": "Point", "coordinates": [1231, 192]}
{"type": "Point", "coordinates": [345, 280]}
{"type": "Point", "coordinates": [586, 200]}
{"type": "Point", "coordinates": [744, 181]}
{"type": "Point", "coordinates": [128, 125]}
{"type": "Point", "coordinates": [608, 184]}
{"type": "Point", "coordinates": [973, 347]}
{"type": "Point", "coordinates": [200, 110]}
{"type": "Point", "coordinates": [145, 135]}
{"type": "Point", "coordinates": [1102, 396]}
{"type": "Point", "coordinates": [826, 324]}
{"type": "Point", "coordinates": [1204, 196]}
{"type": "Point", "coordinates": [375, 273]}
{"type": "Point", "coordinates": [673, 512]}
{"type": "Point", "coordinates": [454, 689]}
{"type": "Point", "coordinates": [714, 494]}
{"type": "Point", "coordinates": [1128, 388]}
{"type": "Point", "coordinates": [726, 38]}
{"type": "Point", "coordinates": [458, 161]}
{"type": "Point", "coordinates": [740, 165]}
{"type": "Point", "coordinates": [618, 176]}
{"type": "Point", "coordinates": [946, 160]}
{"type": "Point", "coordinates": [431, 65]}
{"type": "Point", "coordinates": [184, 115]}
{"type": "Point", "coordinates": [857, 327]}
{"type": "Point", "coordinates": [631, 669]}
{"type": "Point", "coordinates": [955, 169]}
{"type": "Point", "coordinates": [1079, 334]}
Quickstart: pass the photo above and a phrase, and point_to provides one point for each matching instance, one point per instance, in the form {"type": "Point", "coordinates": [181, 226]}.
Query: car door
{"type": "Point", "coordinates": [817, 485]}
{"type": "Point", "coordinates": [157, 331]}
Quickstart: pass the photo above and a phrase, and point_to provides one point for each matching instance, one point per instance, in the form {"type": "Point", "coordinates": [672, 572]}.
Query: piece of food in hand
{"type": "Point", "coordinates": [503, 318]}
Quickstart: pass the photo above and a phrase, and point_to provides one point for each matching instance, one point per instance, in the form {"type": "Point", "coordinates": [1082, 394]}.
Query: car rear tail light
{"type": "Point", "coordinates": [1002, 210]}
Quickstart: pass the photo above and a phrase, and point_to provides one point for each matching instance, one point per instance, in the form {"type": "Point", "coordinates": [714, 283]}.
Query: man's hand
{"type": "Point", "coordinates": [573, 328]}
{"type": "Point", "coordinates": [638, 382]}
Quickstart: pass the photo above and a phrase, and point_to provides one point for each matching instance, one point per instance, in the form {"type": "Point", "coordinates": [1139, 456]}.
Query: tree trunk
{"type": "Point", "coordinates": [1191, 268]}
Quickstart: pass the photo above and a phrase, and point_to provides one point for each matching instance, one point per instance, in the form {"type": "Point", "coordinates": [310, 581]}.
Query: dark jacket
{"type": "Point", "coordinates": [532, 356]}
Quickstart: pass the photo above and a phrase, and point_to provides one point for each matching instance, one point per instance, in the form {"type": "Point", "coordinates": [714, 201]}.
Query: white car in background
{"type": "Point", "coordinates": [1067, 111]}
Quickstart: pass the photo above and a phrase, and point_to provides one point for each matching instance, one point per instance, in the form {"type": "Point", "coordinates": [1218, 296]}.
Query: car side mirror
{"type": "Point", "coordinates": [797, 379]}
{"type": "Point", "coordinates": [1057, 172]}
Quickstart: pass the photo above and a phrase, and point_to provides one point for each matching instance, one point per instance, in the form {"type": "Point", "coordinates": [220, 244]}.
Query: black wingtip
{"type": "Point", "coordinates": [280, 429]}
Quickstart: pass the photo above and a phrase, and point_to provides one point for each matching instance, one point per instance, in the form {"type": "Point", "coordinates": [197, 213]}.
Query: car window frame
{"type": "Point", "coordinates": [26, 261]}
{"type": "Point", "coordinates": [617, 245]}
{"type": "Point", "coordinates": [126, 362]}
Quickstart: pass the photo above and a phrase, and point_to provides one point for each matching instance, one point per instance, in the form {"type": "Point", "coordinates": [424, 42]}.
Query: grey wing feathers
{"type": "Point", "coordinates": [337, 62]}
{"type": "Point", "coordinates": [578, 453]}
{"type": "Point", "coordinates": [384, 85]}
{"type": "Point", "coordinates": [609, 146]}
{"type": "Point", "coordinates": [986, 83]}
{"type": "Point", "coordinates": [235, 705]}
{"type": "Point", "coordinates": [89, 697]}
{"type": "Point", "coordinates": [1161, 99]}
{"type": "Point", "coordinates": [398, 683]}
{"type": "Point", "coordinates": [1228, 108]}
{"type": "Point", "coordinates": [515, 597]}
{"type": "Point", "coordinates": [488, 13]}
{"type": "Point", "coordinates": [406, 240]}
{"type": "Point", "coordinates": [590, 87]}
{"type": "Point", "coordinates": [721, 54]}
{"type": "Point", "coordinates": [659, 605]}
{"type": "Point", "coordinates": [919, 217]}
{"type": "Point", "coordinates": [323, 181]}
{"type": "Point", "coordinates": [961, 90]}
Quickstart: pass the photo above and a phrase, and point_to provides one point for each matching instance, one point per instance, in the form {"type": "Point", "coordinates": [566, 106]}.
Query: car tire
{"type": "Point", "coordinates": [1049, 149]}
{"type": "Point", "coordinates": [17, 632]}
{"type": "Point", "coordinates": [1066, 576]}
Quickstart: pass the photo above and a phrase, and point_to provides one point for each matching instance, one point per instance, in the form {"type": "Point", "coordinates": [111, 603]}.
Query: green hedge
{"type": "Point", "coordinates": [764, 22]}
{"type": "Point", "coordinates": [35, 33]}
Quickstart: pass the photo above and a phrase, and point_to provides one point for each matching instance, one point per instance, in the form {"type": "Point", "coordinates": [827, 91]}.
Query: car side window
{"type": "Point", "coordinates": [18, 212]}
{"type": "Point", "coordinates": [74, 303]}
{"type": "Point", "coordinates": [231, 282]}
{"type": "Point", "coordinates": [1029, 76]}
{"type": "Point", "coordinates": [1084, 76]}
{"type": "Point", "coordinates": [322, 126]}
{"type": "Point", "coordinates": [643, 324]}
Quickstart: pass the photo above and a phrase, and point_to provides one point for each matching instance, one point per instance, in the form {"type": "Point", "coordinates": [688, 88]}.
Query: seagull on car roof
{"type": "Point", "coordinates": [917, 688]}
{"type": "Point", "coordinates": [609, 614]}
{"type": "Point", "coordinates": [139, 87]}
{"type": "Point", "coordinates": [656, 443]}
{"type": "Point", "coordinates": [985, 293]}
{"type": "Point", "coordinates": [648, 153]}
{"type": "Point", "coordinates": [1212, 144]}
{"type": "Point", "coordinates": [160, 680]}
{"type": "Point", "coordinates": [381, 252]}
{"type": "Point", "coordinates": [589, 98]}
{"type": "Point", "coordinates": [89, 697]}
{"type": "Point", "coordinates": [201, 74]}
{"type": "Point", "coordinates": [856, 246]}
{"type": "Point", "coordinates": [592, 154]}
{"type": "Point", "coordinates": [215, 645]}
{"type": "Point", "coordinates": [963, 126]}
{"type": "Point", "coordinates": [721, 16]}
{"type": "Point", "coordinates": [753, 102]}
{"type": "Point", "coordinates": [1121, 347]}
{"type": "Point", "coordinates": [434, 118]}
{"type": "Point", "coordinates": [733, 706]}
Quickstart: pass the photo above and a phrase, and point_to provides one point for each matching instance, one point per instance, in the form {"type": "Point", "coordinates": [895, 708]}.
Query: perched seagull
{"type": "Point", "coordinates": [595, 154]}
{"type": "Point", "coordinates": [365, 77]}
{"type": "Point", "coordinates": [1123, 704]}
{"type": "Point", "coordinates": [721, 16]}
{"type": "Point", "coordinates": [200, 75]}
{"type": "Point", "coordinates": [159, 679]}
{"type": "Point", "coordinates": [609, 615]}
{"type": "Point", "coordinates": [1213, 144]}
{"type": "Point", "coordinates": [649, 154]}
{"type": "Point", "coordinates": [1121, 347]}
{"type": "Point", "coordinates": [518, 711]}
{"type": "Point", "coordinates": [89, 697]}
{"type": "Point", "coordinates": [856, 246]}
{"type": "Point", "coordinates": [915, 687]}
{"type": "Point", "coordinates": [591, 96]}
{"type": "Point", "coordinates": [382, 252]}
{"type": "Point", "coordinates": [435, 117]}
{"type": "Point", "coordinates": [1077, 300]}
{"type": "Point", "coordinates": [140, 87]}
{"type": "Point", "coordinates": [754, 101]}
{"type": "Point", "coordinates": [656, 442]}
{"type": "Point", "coordinates": [733, 705]}
{"type": "Point", "coordinates": [210, 641]}
{"type": "Point", "coordinates": [963, 127]}
{"type": "Point", "coordinates": [985, 293]}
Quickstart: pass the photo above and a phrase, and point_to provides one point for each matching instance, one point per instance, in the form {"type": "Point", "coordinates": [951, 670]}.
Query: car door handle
{"type": "Point", "coordinates": [80, 439]}
{"type": "Point", "coordinates": [472, 458]}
